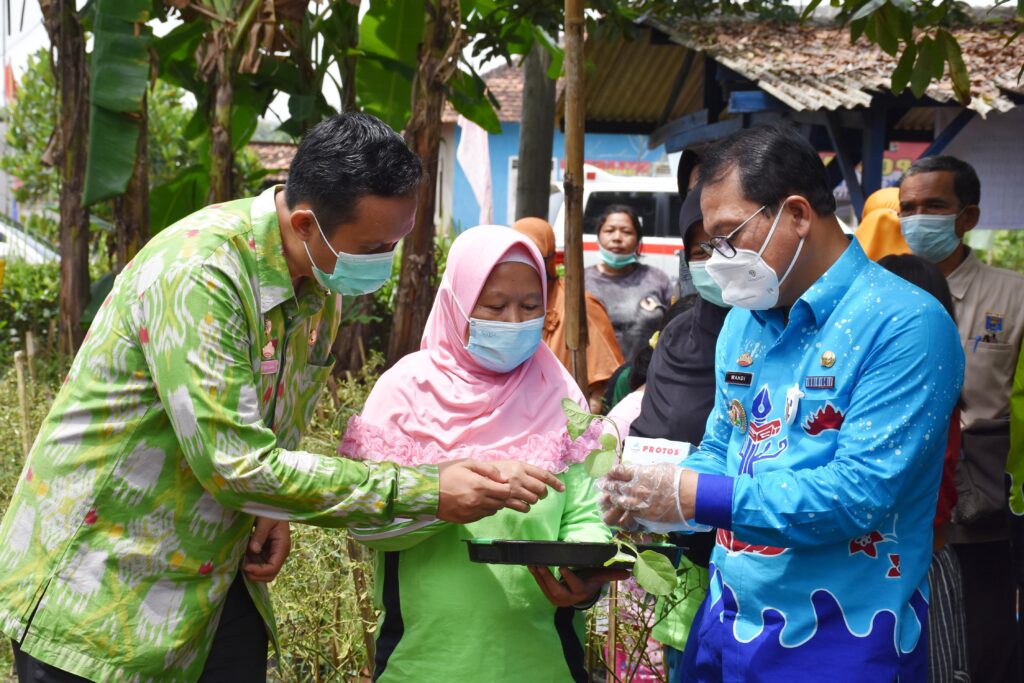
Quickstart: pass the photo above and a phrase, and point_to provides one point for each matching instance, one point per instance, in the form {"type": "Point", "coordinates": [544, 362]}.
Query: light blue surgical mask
{"type": "Point", "coordinates": [354, 274]}
{"type": "Point", "coordinates": [706, 287]}
{"type": "Point", "coordinates": [613, 260]}
{"type": "Point", "coordinates": [931, 236]}
{"type": "Point", "coordinates": [501, 346]}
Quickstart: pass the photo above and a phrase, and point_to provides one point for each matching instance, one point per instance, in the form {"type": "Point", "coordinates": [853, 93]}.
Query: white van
{"type": "Point", "coordinates": [655, 200]}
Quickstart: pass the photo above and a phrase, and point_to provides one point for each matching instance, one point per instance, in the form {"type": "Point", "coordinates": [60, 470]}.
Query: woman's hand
{"type": "Point", "coordinates": [529, 484]}
{"type": "Point", "coordinates": [573, 589]}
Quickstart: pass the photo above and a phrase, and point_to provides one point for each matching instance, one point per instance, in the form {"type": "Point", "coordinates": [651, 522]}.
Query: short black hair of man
{"type": "Point", "coordinates": [774, 162]}
{"type": "Point", "coordinates": [965, 180]}
{"type": "Point", "coordinates": [345, 158]}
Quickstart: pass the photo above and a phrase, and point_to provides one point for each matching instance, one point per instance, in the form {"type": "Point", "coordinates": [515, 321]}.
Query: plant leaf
{"type": "Point", "coordinates": [867, 9]}
{"type": "Point", "coordinates": [621, 556]}
{"type": "Point", "coordinates": [609, 442]}
{"type": "Point", "coordinates": [654, 573]}
{"type": "Point", "coordinates": [599, 462]}
{"type": "Point", "coordinates": [901, 74]}
{"type": "Point", "coordinates": [957, 68]}
{"type": "Point", "coordinates": [578, 419]}
{"type": "Point", "coordinates": [922, 73]}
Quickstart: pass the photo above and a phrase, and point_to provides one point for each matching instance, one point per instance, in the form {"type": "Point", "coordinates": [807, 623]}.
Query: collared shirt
{"type": "Point", "coordinates": [176, 425]}
{"type": "Point", "coordinates": [820, 468]}
{"type": "Point", "coordinates": [989, 306]}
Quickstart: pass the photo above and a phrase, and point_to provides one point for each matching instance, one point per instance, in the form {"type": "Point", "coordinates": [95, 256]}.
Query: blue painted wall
{"type": "Point", "coordinates": [598, 147]}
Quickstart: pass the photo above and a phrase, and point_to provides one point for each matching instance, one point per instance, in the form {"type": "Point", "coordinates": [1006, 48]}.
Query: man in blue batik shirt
{"type": "Point", "coordinates": [820, 464]}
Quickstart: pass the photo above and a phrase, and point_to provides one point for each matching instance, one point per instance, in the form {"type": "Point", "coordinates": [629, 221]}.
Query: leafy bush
{"type": "Point", "coordinates": [28, 301]}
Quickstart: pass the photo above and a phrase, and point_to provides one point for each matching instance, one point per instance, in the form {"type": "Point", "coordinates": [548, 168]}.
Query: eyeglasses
{"type": "Point", "coordinates": [722, 244]}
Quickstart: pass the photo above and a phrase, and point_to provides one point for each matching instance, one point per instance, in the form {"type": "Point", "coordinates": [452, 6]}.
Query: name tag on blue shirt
{"type": "Point", "coordinates": [743, 379]}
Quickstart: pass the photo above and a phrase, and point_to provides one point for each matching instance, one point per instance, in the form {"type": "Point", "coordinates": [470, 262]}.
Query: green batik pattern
{"type": "Point", "coordinates": [176, 425]}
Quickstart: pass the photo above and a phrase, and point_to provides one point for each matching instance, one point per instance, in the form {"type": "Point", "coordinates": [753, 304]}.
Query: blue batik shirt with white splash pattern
{"type": "Point", "coordinates": [824, 506]}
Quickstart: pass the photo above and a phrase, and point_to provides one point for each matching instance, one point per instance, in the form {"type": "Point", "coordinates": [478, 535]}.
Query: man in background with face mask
{"type": "Point", "coordinates": [939, 199]}
{"type": "Point", "coordinates": [158, 492]}
{"type": "Point", "coordinates": [821, 459]}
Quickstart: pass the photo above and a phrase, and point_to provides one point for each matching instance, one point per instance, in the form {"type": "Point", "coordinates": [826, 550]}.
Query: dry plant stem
{"type": "Point", "coordinates": [19, 368]}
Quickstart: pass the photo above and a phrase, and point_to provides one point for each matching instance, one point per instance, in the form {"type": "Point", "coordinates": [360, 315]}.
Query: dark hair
{"type": "Point", "coordinates": [965, 180]}
{"type": "Point", "coordinates": [924, 274]}
{"type": "Point", "coordinates": [620, 208]}
{"type": "Point", "coordinates": [345, 158]}
{"type": "Point", "coordinates": [774, 162]}
{"type": "Point", "coordinates": [688, 161]}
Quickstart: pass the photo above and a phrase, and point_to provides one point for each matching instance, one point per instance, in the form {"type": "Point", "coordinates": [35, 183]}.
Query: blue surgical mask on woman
{"type": "Point", "coordinates": [501, 346]}
{"type": "Point", "coordinates": [354, 274]}
{"type": "Point", "coordinates": [707, 288]}
{"type": "Point", "coordinates": [613, 260]}
{"type": "Point", "coordinates": [931, 236]}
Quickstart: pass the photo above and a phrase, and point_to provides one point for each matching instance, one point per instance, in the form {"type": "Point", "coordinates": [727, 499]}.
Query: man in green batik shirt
{"type": "Point", "coordinates": [167, 461]}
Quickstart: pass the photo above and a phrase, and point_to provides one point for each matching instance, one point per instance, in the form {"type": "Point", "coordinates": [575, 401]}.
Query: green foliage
{"type": "Point", "coordinates": [28, 302]}
{"type": "Point", "coordinates": [120, 68]}
{"type": "Point", "coordinates": [323, 598]}
{"type": "Point", "coordinates": [578, 419]}
{"type": "Point", "coordinates": [30, 122]}
{"type": "Point", "coordinates": [389, 35]}
{"type": "Point", "coordinates": [654, 573]}
{"type": "Point", "coordinates": [1007, 250]}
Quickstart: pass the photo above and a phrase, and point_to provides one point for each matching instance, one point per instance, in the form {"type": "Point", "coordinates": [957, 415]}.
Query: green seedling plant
{"type": "Point", "coordinates": [653, 571]}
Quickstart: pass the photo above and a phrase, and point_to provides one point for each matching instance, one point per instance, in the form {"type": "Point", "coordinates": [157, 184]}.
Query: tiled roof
{"type": "Point", "coordinates": [815, 67]}
{"type": "Point", "coordinates": [275, 157]}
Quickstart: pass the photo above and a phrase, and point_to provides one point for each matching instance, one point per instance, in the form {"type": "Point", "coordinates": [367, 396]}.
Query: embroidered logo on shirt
{"type": "Point", "coordinates": [993, 322]}
{"type": "Point", "coordinates": [760, 445]}
{"type": "Point", "coordinates": [827, 417]}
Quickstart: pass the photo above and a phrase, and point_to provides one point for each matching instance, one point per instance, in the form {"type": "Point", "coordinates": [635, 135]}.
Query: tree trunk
{"type": "Point", "coordinates": [575, 310]}
{"type": "Point", "coordinates": [131, 209]}
{"type": "Point", "coordinates": [68, 48]}
{"type": "Point", "coordinates": [536, 136]}
{"type": "Point", "coordinates": [222, 157]}
{"type": "Point", "coordinates": [438, 59]}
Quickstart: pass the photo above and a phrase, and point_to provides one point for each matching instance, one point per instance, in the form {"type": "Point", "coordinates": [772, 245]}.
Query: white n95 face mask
{"type": "Point", "coordinates": [746, 279]}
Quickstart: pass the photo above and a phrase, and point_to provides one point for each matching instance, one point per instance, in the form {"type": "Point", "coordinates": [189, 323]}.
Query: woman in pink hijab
{"type": "Point", "coordinates": [484, 387]}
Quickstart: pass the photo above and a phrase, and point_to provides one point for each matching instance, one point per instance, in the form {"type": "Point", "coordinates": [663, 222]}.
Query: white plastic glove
{"type": "Point", "coordinates": [650, 495]}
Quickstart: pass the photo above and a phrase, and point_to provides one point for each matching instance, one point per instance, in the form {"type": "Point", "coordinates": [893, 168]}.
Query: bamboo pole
{"type": "Point", "coordinates": [19, 368]}
{"type": "Point", "coordinates": [575, 310]}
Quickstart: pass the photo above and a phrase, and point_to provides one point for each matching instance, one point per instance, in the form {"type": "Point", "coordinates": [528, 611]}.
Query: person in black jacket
{"type": "Point", "coordinates": [680, 395]}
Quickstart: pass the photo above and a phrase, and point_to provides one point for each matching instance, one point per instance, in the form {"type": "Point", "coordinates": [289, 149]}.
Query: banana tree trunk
{"type": "Point", "coordinates": [68, 50]}
{"type": "Point", "coordinates": [131, 209]}
{"type": "Point", "coordinates": [442, 43]}
{"type": "Point", "coordinates": [222, 161]}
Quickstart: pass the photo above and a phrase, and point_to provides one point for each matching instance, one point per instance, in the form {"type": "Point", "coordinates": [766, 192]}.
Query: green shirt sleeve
{"type": "Point", "coordinates": [198, 346]}
{"type": "Point", "coordinates": [581, 518]}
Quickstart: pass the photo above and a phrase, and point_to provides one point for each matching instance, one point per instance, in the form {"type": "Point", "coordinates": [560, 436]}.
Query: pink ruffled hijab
{"type": "Point", "coordinates": [439, 404]}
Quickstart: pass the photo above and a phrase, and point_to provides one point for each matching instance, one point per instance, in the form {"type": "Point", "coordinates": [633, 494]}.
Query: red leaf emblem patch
{"type": "Point", "coordinates": [825, 419]}
{"type": "Point", "coordinates": [866, 544]}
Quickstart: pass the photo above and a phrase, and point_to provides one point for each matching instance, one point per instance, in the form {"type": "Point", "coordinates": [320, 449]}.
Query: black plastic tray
{"type": "Point", "coordinates": [558, 553]}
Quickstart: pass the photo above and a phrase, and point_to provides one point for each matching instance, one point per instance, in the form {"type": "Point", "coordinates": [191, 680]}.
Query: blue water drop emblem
{"type": "Point", "coordinates": [762, 404]}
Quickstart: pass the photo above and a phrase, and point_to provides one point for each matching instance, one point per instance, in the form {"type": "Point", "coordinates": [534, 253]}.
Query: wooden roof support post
{"type": "Point", "coordinates": [575, 310]}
